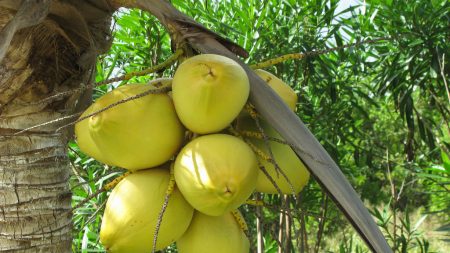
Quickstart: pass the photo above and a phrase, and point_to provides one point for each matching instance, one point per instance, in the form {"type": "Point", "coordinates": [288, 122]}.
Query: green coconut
{"type": "Point", "coordinates": [216, 173]}
{"type": "Point", "coordinates": [132, 210]}
{"type": "Point", "coordinates": [138, 134]}
{"type": "Point", "coordinates": [285, 157]}
{"type": "Point", "coordinates": [209, 91]}
{"type": "Point", "coordinates": [218, 234]}
{"type": "Point", "coordinates": [283, 90]}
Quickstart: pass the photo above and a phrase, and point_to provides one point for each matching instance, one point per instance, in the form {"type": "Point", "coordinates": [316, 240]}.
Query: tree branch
{"type": "Point", "coordinates": [30, 13]}
{"type": "Point", "coordinates": [270, 106]}
{"type": "Point", "coordinates": [180, 26]}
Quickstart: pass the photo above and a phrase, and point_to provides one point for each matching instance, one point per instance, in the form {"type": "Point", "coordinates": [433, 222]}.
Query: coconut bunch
{"type": "Point", "coordinates": [189, 172]}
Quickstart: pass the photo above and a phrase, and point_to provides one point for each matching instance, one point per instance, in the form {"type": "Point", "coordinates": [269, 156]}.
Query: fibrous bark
{"type": "Point", "coordinates": [54, 54]}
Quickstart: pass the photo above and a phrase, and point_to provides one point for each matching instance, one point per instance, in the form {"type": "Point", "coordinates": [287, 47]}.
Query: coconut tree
{"type": "Point", "coordinates": [46, 47]}
{"type": "Point", "coordinates": [49, 47]}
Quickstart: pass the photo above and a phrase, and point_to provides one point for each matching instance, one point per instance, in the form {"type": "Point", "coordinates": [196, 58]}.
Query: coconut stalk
{"type": "Point", "coordinates": [259, 227]}
{"type": "Point", "coordinates": [281, 232]}
{"type": "Point", "coordinates": [303, 234]}
{"type": "Point", "coordinates": [284, 232]}
{"type": "Point", "coordinates": [184, 29]}
{"type": "Point", "coordinates": [288, 225]}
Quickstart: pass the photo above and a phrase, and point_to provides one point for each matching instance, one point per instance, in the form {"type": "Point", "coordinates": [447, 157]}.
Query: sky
{"type": "Point", "coordinates": [344, 4]}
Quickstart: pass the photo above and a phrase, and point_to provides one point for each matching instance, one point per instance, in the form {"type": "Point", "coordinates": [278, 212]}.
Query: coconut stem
{"type": "Point", "coordinates": [254, 202]}
{"type": "Point", "coordinates": [116, 180]}
{"type": "Point", "coordinates": [256, 150]}
{"type": "Point", "coordinates": [267, 144]}
{"type": "Point", "coordinates": [241, 221]}
{"type": "Point", "coordinates": [140, 95]}
{"type": "Point", "coordinates": [169, 192]}
{"type": "Point", "coordinates": [299, 56]}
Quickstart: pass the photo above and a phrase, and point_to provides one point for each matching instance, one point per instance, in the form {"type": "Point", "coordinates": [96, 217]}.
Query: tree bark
{"type": "Point", "coordinates": [56, 55]}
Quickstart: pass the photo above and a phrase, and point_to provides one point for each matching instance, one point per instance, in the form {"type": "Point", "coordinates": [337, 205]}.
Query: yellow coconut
{"type": "Point", "coordinates": [132, 211]}
{"type": "Point", "coordinates": [137, 134]}
{"type": "Point", "coordinates": [216, 173]}
{"type": "Point", "coordinates": [218, 234]}
{"type": "Point", "coordinates": [285, 157]}
{"type": "Point", "coordinates": [209, 91]}
{"type": "Point", "coordinates": [283, 90]}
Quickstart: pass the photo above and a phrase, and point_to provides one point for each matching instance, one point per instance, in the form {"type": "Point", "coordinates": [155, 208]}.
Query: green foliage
{"type": "Point", "coordinates": [381, 110]}
{"type": "Point", "coordinates": [403, 235]}
{"type": "Point", "coordinates": [436, 180]}
{"type": "Point", "coordinates": [89, 176]}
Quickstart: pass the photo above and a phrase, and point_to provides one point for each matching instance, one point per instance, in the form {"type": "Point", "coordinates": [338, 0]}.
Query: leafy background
{"type": "Point", "coordinates": [380, 109]}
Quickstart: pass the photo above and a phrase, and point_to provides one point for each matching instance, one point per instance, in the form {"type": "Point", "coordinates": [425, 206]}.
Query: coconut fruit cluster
{"type": "Point", "coordinates": [184, 132]}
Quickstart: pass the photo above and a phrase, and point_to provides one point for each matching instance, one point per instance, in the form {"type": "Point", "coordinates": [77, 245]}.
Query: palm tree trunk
{"type": "Point", "coordinates": [34, 190]}
{"type": "Point", "coordinates": [54, 56]}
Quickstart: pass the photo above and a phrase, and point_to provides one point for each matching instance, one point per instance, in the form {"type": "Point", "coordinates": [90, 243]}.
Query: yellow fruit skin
{"type": "Point", "coordinates": [216, 173]}
{"type": "Point", "coordinates": [138, 134]}
{"type": "Point", "coordinates": [283, 90]}
{"type": "Point", "coordinates": [132, 211]}
{"type": "Point", "coordinates": [285, 157]}
{"type": "Point", "coordinates": [209, 91]}
{"type": "Point", "coordinates": [213, 234]}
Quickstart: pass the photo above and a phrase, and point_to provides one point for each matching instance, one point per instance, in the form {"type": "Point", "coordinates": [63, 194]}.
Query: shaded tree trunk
{"type": "Point", "coordinates": [54, 56]}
